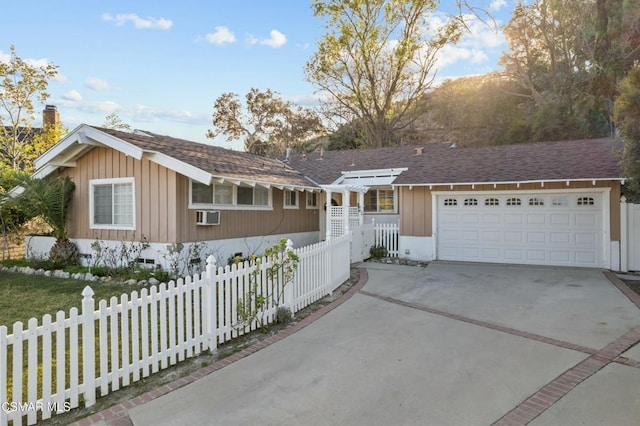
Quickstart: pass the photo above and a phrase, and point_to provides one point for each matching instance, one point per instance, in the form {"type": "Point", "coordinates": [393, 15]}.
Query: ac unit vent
{"type": "Point", "coordinates": [207, 217]}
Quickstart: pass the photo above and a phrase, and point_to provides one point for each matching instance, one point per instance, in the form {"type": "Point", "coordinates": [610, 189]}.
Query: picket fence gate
{"type": "Point", "coordinates": [386, 235]}
{"type": "Point", "coordinates": [55, 366]}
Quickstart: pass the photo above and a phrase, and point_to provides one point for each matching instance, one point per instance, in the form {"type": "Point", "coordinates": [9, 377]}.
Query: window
{"type": "Point", "coordinates": [290, 199]}
{"type": "Point", "coordinates": [560, 202]}
{"type": "Point", "coordinates": [312, 200]}
{"type": "Point", "coordinates": [514, 202]}
{"type": "Point", "coordinates": [535, 201]}
{"type": "Point", "coordinates": [491, 202]}
{"type": "Point", "coordinates": [585, 201]}
{"type": "Point", "coordinates": [450, 202]}
{"type": "Point", "coordinates": [201, 193]}
{"type": "Point", "coordinates": [112, 203]}
{"type": "Point", "coordinates": [223, 194]}
{"type": "Point", "coordinates": [380, 201]}
{"type": "Point", "coordinates": [470, 202]}
{"type": "Point", "coordinates": [228, 196]}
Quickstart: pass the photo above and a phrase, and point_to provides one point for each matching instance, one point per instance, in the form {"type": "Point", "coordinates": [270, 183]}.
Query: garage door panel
{"type": "Point", "coordinates": [536, 237]}
{"type": "Point", "coordinates": [449, 218]}
{"type": "Point", "coordinates": [560, 237]}
{"type": "Point", "coordinates": [536, 219]}
{"type": "Point", "coordinates": [491, 219]}
{"type": "Point", "coordinates": [491, 254]}
{"type": "Point", "coordinates": [469, 219]}
{"type": "Point", "coordinates": [514, 255]}
{"type": "Point", "coordinates": [470, 235]}
{"type": "Point", "coordinates": [559, 219]}
{"type": "Point", "coordinates": [513, 219]}
{"type": "Point", "coordinates": [560, 256]}
{"type": "Point", "coordinates": [536, 255]}
{"type": "Point", "coordinates": [513, 236]}
{"type": "Point", "coordinates": [557, 230]}
{"type": "Point", "coordinates": [587, 219]}
{"type": "Point", "coordinates": [587, 238]}
{"type": "Point", "coordinates": [471, 253]}
{"type": "Point", "coordinates": [491, 236]}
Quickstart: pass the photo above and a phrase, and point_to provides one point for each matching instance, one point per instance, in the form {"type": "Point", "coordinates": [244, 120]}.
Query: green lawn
{"type": "Point", "coordinates": [28, 296]}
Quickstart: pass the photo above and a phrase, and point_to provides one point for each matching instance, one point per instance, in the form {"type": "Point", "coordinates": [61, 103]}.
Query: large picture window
{"type": "Point", "coordinates": [380, 201]}
{"type": "Point", "coordinates": [229, 196]}
{"type": "Point", "coordinates": [112, 203]}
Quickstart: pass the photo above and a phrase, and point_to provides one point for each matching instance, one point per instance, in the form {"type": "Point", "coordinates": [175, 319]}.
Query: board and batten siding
{"type": "Point", "coordinates": [244, 223]}
{"type": "Point", "coordinates": [416, 203]}
{"type": "Point", "coordinates": [155, 193]}
{"type": "Point", "coordinates": [162, 205]}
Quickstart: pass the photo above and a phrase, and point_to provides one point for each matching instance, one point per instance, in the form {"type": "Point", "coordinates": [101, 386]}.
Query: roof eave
{"type": "Point", "coordinates": [542, 182]}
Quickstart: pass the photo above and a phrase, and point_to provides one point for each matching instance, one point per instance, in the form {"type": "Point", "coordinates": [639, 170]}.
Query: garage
{"type": "Point", "coordinates": [538, 228]}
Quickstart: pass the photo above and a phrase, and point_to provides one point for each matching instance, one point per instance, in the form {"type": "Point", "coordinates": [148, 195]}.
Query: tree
{"type": "Point", "coordinates": [268, 124]}
{"type": "Point", "coordinates": [611, 45]}
{"type": "Point", "coordinates": [112, 121]}
{"type": "Point", "coordinates": [11, 217]}
{"type": "Point", "coordinates": [20, 85]}
{"type": "Point", "coordinates": [376, 59]}
{"type": "Point", "coordinates": [50, 199]}
{"type": "Point", "coordinates": [626, 113]}
{"type": "Point", "coordinates": [472, 111]}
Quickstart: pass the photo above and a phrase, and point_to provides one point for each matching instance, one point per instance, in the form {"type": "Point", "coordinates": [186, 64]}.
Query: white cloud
{"type": "Point", "coordinates": [276, 39]}
{"type": "Point", "coordinates": [147, 114]}
{"type": "Point", "coordinates": [222, 35]}
{"type": "Point", "coordinates": [138, 22]}
{"type": "Point", "coordinates": [497, 4]}
{"type": "Point", "coordinates": [103, 107]}
{"type": "Point", "coordinates": [96, 83]}
{"type": "Point", "coordinates": [477, 44]}
{"type": "Point", "coordinates": [5, 57]}
{"type": "Point", "coordinates": [72, 95]}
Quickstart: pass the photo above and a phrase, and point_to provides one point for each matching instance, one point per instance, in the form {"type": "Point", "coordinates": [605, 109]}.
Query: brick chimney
{"type": "Point", "coordinates": [50, 116]}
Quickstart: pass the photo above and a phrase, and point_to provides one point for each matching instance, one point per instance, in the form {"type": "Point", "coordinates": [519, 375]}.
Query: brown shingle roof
{"type": "Point", "coordinates": [440, 163]}
{"type": "Point", "coordinates": [217, 161]}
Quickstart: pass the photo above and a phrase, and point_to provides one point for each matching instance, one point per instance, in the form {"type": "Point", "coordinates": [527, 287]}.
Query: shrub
{"type": "Point", "coordinates": [378, 252]}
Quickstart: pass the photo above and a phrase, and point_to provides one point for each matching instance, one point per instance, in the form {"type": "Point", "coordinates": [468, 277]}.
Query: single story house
{"type": "Point", "coordinates": [553, 203]}
{"type": "Point", "coordinates": [131, 186]}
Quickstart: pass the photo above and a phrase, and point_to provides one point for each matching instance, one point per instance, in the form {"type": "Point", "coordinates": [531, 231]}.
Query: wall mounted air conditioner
{"type": "Point", "coordinates": [207, 217]}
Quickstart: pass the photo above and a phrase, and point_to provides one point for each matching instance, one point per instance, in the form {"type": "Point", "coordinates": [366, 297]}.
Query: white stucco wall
{"type": "Point", "coordinates": [416, 248]}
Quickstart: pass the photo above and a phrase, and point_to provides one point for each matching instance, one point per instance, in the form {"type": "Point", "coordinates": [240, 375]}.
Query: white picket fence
{"type": "Point", "coordinates": [59, 364]}
{"type": "Point", "coordinates": [386, 235]}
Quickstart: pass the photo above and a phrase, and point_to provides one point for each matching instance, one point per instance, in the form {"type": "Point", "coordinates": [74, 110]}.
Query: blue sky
{"type": "Point", "coordinates": [160, 65]}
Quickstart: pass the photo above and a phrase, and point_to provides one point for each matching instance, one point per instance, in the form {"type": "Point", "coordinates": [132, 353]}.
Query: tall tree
{"type": "Point", "coordinates": [267, 123]}
{"type": "Point", "coordinates": [376, 59]}
{"type": "Point", "coordinates": [627, 113]}
{"type": "Point", "coordinates": [611, 46]}
{"type": "Point", "coordinates": [21, 84]}
{"type": "Point", "coordinates": [546, 60]}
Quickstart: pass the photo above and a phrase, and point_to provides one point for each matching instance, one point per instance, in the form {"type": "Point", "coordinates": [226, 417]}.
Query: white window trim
{"type": "Point", "coordinates": [234, 198]}
{"type": "Point", "coordinates": [378, 211]}
{"type": "Point", "coordinates": [112, 181]}
{"type": "Point", "coordinates": [284, 200]}
{"type": "Point", "coordinates": [309, 196]}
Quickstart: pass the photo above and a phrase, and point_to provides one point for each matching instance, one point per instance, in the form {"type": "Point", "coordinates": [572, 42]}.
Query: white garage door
{"type": "Point", "coordinates": [541, 229]}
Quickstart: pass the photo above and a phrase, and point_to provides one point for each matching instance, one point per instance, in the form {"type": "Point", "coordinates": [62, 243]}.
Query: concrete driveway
{"type": "Point", "coordinates": [450, 344]}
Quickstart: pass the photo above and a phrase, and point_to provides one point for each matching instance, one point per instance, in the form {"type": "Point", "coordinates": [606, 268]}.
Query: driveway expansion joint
{"type": "Point", "coordinates": [485, 324]}
{"type": "Point", "coordinates": [556, 389]}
